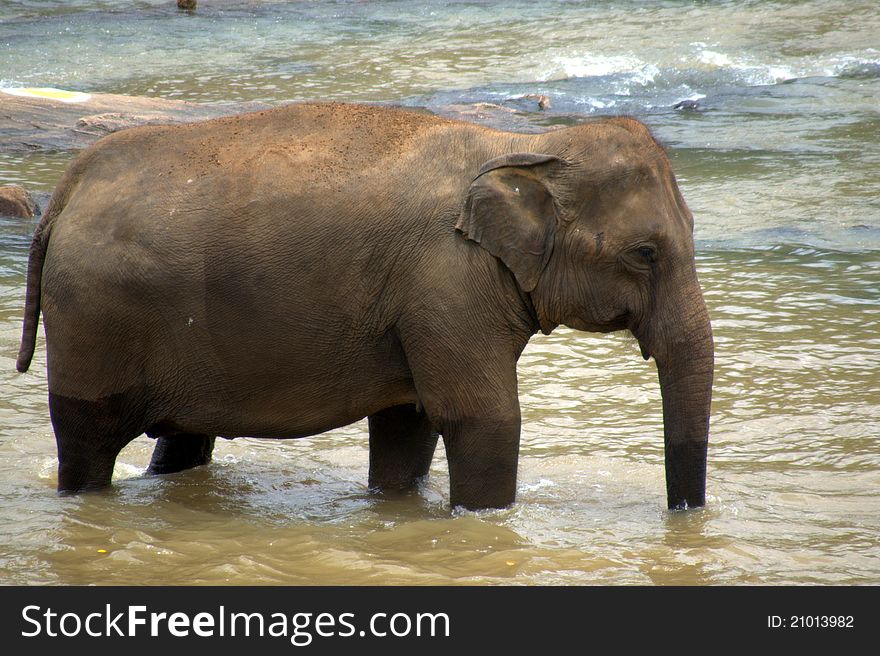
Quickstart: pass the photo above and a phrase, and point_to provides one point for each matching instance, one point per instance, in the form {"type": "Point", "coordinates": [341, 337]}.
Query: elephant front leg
{"type": "Point", "coordinates": [175, 453]}
{"type": "Point", "coordinates": [483, 456]}
{"type": "Point", "coordinates": [402, 444]}
{"type": "Point", "coordinates": [466, 382]}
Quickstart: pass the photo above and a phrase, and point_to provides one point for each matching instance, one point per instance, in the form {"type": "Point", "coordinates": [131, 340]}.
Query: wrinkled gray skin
{"type": "Point", "coordinates": [283, 273]}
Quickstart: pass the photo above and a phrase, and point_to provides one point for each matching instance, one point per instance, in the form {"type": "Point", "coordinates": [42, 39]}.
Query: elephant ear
{"type": "Point", "coordinates": [510, 212]}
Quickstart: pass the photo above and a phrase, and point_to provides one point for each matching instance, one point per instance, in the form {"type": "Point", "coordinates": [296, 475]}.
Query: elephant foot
{"type": "Point", "coordinates": [174, 453]}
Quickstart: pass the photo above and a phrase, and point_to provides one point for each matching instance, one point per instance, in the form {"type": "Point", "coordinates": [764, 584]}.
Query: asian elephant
{"type": "Point", "coordinates": [282, 273]}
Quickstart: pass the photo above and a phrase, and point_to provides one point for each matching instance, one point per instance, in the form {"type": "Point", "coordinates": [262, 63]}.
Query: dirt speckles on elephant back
{"type": "Point", "coordinates": [331, 143]}
{"type": "Point", "coordinates": [251, 161]}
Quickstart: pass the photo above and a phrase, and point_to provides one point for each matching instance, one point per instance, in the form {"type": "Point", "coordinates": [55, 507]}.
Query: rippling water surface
{"type": "Point", "coordinates": [778, 158]}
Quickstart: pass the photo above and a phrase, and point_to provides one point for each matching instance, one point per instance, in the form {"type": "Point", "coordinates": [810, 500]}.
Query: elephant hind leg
{"type": "Point", "coordinates": [402, 443]}
{"type": "Point", "coordinates": [89, 436]}
{"type": "Point", "coordinates": [174, 453]}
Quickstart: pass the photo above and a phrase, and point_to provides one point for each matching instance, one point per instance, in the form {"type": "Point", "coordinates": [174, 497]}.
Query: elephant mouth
{"type": "Point", "coordinates": [635, 328]}
{"type": "Point", "coordinates": [620, 322]}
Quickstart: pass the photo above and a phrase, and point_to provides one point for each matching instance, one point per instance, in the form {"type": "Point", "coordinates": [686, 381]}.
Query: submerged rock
{"type": "Point", "coordinates": [689, 106]}
{"type": "Point", "coordinates": [543, 101]}
{"type": "Point", "coordinates": [56, 122]}
{"type": "Point", "coordinates": [16, 201]}
{"type": "Point", "coordinates": [114, 121]}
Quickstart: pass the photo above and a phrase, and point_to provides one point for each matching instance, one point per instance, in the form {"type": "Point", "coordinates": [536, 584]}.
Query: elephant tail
{"type": "Point", "coordinates": [36, 258]}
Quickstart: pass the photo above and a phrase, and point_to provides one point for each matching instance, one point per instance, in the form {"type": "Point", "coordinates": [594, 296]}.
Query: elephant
{"type": "Point", "coordinates": [281, 273]}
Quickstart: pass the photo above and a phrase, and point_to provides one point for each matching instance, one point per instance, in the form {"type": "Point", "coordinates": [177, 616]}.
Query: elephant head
{"type": "Point", "coordinates": [596, 233]}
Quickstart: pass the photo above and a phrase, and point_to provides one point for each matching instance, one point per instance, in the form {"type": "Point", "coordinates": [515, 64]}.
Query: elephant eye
{"type": "Point", "coordinates": [648, 253]}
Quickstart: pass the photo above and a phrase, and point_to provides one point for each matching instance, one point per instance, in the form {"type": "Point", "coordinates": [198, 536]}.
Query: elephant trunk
{"type": "Point", "coordinates": [685, 361]}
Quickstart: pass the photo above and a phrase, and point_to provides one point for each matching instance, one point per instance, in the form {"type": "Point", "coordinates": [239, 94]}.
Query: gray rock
{"type": "Point", "coordinates": [689, 106]}
{"type": "Point", "coordinates": [542, 100]}
{"type": "Point", "coordinates": [29, 123]}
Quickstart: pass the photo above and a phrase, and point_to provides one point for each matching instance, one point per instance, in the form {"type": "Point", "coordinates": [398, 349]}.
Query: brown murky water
{"type": "Point", "coordinates": [781, 172]}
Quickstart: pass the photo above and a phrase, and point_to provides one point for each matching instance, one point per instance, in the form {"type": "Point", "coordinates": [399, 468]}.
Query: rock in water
{"type": "Point", "coordinates": [31, 122]}
{"type": "Point", "coordinates": [187, 4]}
{"type": "Point", "coordinates": [688, 106]}
{"type": "Point", "coordinates": [16, 201]}
{"type": "Point", "coordinates": [542, 100]}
